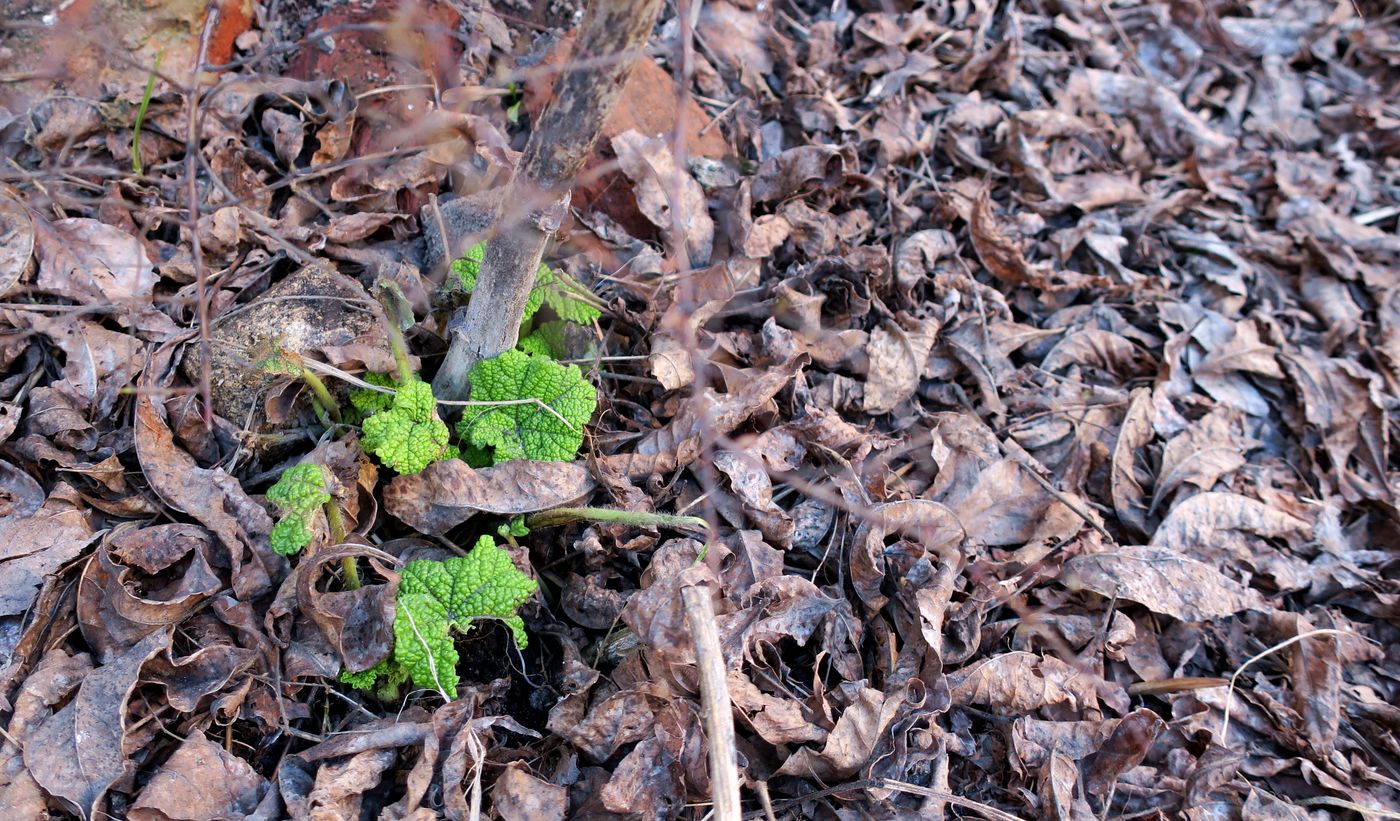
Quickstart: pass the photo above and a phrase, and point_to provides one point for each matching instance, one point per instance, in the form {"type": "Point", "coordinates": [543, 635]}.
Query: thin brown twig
{"type": "Point", "coordinates": [192, 191]}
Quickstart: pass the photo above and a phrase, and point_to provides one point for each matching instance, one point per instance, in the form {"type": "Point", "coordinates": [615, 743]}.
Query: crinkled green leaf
{"type": "Point", "coordinates": [437, 597]}
{"type": "Point", "coordinates": [299, 492]}
{"type": "Point", "coordinates": [549, 339]}
{"type": "Point", "coordinates": [369, 402]}
{"type": "Point", "coordinates": [408, 436]}
{"type": "Point", "coordinates": [388, 672]}
{"type": "Point", "coordinates": [556, 289]}
{"type": "Point", "coordinates": [564, 296]}
{"type": "Point", "coordinates": [527, 430]}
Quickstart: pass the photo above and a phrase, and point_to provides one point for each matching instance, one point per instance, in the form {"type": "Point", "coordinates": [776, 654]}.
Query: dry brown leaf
{"type": "Point", "coordinates": [1222, 373]}
{"type": "Point", "coordinates": [16, 243]}
{"type": "Point", "coordinates": [705, 414]}
{"type": "Point", "coordinates": [39, 543]}
{"type": "Point", "coordinates": [1162, 580]}
{"type": "Point", "coordinates": [448, 493]}
{"type": "Point", "coordinates": [1017, 683]}
{"type": "Point", "coordinates": [932, 524]}
{"type": "Point", "coordinates": [1124, 485]}
{"type": "Point", "coordinates": [77, 754]}
{"type": "Point", "coordinates": [1002, 256]}
{"type": "Point", "coordinates": [211, 497]}
{"type": "Point", "coordinates": [520, 796]}
{"type": "Point", "coordinates": [201, 782]}
{"type": "Point", "coordinates": [114, 617]}
{"type": "Point", "coordinates": [655, 176]}
{"type": "Point", "coordinates": [1209, 525]}
{"type": "Point", "coordinates": [1207, 451]}
{"type": "Point", "coordinates": [861, 727]}
{"type": "Point", "coordinates": [357, 623]}
{"type": "Point", "coordinates": [84, 258]}
{"type": "Point", "coordinates": [897, 351]}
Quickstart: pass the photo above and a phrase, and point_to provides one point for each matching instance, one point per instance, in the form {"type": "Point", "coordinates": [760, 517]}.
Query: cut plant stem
{"type": "Point", "coordinates": [349, 569]}
{"type": "Point", "coordinates": [613, 37]}
{"type": "Point", "coordinates": [568, 515]}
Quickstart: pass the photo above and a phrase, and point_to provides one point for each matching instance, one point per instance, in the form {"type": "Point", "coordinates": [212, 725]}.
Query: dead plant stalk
{"type": "Point", "coordinates": [714, 703]}
{"type": "Point", "coordinates": [614, 34]}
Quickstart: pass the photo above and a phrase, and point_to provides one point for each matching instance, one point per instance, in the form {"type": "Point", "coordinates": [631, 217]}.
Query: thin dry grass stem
{"type": "Point", "coordinates": [716, 709]}
{"type": "Point", "coordinates": [985, 810]}
{"type": "Point", "coordinates": [1269, 651]}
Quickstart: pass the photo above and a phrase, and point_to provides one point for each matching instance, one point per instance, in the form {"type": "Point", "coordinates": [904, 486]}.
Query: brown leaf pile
{"type": "Point", "coordinates": [1032, 363]}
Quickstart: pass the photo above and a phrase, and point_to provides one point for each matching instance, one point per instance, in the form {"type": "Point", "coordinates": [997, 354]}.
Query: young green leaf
{"type": "Point", "coordinates": [388, 672]}
{"type": "Point", "coordinates": [549, 339]}
{"type": "Point", "coordinates": [515, 527]}
{"type": "Point", "coordinates": [369, 402]}
{"type": "Point", "coordinates": [408, 436]}
{"type": "Point", "coordinates": [527, 430]}
{"type": "Point", "coordinates": [299, 492]}
{"type": "Point", "coordinates": [556, 289]}
{"type": "Point", "coordinates": [438, 597]}
{"type": "Point", "coordinates": [564, 296]}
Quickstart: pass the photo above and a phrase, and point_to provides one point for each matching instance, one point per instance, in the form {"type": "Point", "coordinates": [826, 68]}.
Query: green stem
{"type": "Point", "coordinates": [141, 114]}
{"type": "Point", "coordinates": [322, 394]}
{"type": "Point", "coordinates": [567, 515]}
{"type": "Point", "coordinates": [390, 296]}
{"type": "Point", "coordinates": [337, 524]}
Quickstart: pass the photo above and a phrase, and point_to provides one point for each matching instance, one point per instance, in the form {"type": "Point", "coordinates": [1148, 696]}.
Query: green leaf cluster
{"type": "Point", "coordinates": [369, 402]}
{"type": "Point", "coordinates": [299, 492]}
{"type": "Point", "coordinates": [549, 428]}
{"type": "Point", "coordinates": [554, 289]}
{"type": "Point", "coordinates": [437, 598]}
{"type": "Point", "coordinates": [408, 435]}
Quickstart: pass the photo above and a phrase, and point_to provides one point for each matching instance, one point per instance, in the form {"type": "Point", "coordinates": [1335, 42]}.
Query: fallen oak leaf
{"type": "Point", "coordinates": [449, 492]}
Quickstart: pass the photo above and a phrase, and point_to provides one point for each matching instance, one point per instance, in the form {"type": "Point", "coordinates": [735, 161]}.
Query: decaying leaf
{"type": "Point", "coordinates": [448, 493]}
{"type": "Point", "coordinates": [1163, 580]}
{"type": "Point", "coordinates": [77, 753]}
{"type": "Point", "coordinates": [201, 780]}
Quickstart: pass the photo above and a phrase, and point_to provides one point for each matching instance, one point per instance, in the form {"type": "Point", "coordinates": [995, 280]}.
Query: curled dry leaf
{"type": "Point", "coordinates": [935, 527]}
{"type": "Point", "coordinates": [114, 616]}
{"type": "Point", "coordinates": [448, 493]}
{"type": "Point", "coordinates": [357, 623]}
{"type": "Point", "coordinates": [16, 243]}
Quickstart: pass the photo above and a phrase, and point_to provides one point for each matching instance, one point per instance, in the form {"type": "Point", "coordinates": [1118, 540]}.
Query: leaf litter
{"type": "Point", "coordinates": [1031, 363]}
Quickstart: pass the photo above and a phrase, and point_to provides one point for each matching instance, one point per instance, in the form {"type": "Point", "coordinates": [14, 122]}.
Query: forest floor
{"type": "Point", "coordinates": [1031, 363]}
